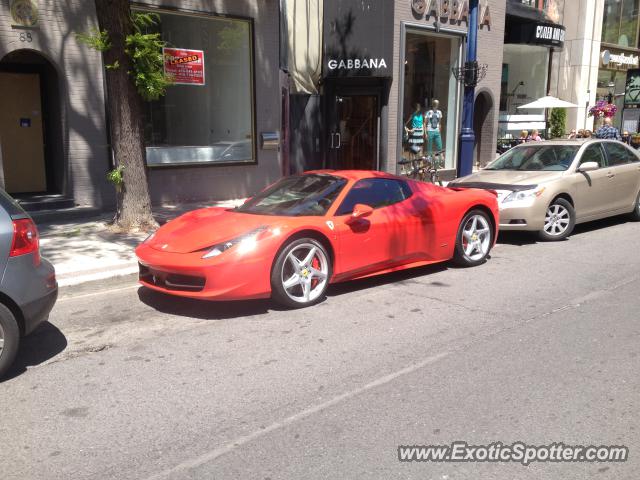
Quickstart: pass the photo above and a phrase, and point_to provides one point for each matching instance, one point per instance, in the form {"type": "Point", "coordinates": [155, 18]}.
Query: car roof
{"type": "Point", "coordinates": [352, 174]}
{"type": "Point", "coordinates": [564, 141]}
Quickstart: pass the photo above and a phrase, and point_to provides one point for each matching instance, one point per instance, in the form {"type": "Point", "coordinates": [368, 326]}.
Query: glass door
{"type": "Point", "coordinates": [353, 139]}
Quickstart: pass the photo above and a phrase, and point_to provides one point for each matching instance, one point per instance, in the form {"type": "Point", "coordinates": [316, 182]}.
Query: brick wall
{"type": "Point", "coordinates": [81, 90]}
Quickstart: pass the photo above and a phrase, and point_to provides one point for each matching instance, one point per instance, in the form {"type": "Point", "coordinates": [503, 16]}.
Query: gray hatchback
{"type": "Point", "coordinates": [28, 287]}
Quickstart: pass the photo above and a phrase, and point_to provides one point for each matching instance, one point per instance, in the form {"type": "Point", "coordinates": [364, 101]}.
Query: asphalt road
{"type": "Point", "coordinates": [541, 345]}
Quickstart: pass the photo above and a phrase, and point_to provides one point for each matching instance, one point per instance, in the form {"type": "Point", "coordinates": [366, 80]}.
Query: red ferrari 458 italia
{"type": "Point", "coordinates": [306, 231]}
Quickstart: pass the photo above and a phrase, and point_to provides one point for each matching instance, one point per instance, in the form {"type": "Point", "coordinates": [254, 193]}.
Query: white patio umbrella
{"type": "Point", "coordinates": [549, 102]}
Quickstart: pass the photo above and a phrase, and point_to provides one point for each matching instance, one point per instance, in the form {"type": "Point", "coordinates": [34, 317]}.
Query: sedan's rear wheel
{"type": "Point", "coordinates": [559, 220]}
{"type": "Point", "coordinates": [301, 274]}
{"type": "Point", "coordinates": [9, 339]}
{"type": "Point", "coordinates": [474, 239]}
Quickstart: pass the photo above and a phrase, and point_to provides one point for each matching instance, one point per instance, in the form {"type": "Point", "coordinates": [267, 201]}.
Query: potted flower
{"type": "Point", "coordinates": [602, 109]}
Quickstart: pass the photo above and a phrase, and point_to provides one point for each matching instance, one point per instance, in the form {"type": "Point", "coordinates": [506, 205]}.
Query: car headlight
{"type": "Point", "coordinates": [246, 243]}
{"type": "Point", "coordinates": [523, 198]}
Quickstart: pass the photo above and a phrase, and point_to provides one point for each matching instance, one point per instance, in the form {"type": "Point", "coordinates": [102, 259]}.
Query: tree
{"type": "Point", "coordinates": [558, 122]}
{"type": "Point", "coordinates": [133, 69]}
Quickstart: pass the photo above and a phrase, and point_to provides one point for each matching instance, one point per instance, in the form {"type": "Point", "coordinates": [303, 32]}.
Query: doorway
{"type": "Point", "coordinates": [353, 142]}
{"type": "Point", "coordinates": [21, 134]}
{"type": "Point", "coordinates": [31, 127]}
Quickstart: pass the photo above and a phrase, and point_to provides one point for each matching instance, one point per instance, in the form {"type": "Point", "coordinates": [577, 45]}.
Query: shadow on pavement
{"type": "Point", "coordinates": [529, 238]}
{"type": "Point", "coordinates": [213, 310]}
{"type": "Point", "coordinates": [42, 345]}
{"type": "Point", "coordinates": [203, 309]}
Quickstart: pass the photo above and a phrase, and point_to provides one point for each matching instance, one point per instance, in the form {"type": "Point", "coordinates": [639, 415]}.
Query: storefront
{"type": "Point", "coordinates": [214, 135]}
{"type": "Point", "coordinates": [533, 31]}
{"type": "Point", "coordinates": [619, 56]}
{"type": "Point", "coordinates": [432, 39]}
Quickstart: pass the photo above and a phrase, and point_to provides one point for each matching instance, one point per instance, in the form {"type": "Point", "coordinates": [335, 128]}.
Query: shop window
{"type": "Point", "coordinates": [207, 115]}
{"type": "Point", "coordinates": [431, 95]}
{"type": "Point", "coordinates": [620, 22]}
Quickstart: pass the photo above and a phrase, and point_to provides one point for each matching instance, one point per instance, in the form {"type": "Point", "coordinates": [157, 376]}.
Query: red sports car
{"type": "Point", "coordinates": [306, 231]}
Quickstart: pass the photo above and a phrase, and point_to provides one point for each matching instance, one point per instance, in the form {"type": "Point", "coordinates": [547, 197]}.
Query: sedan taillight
{"type": "Point", "coordinates": [25, 239]}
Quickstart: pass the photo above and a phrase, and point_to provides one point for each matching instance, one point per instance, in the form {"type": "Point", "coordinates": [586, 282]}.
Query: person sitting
{"type": "Point", "coordinates": [572, 134]}
{"type": "Point", "coordinates": [626, 138]}
{"type": "Point", "coordinates": [524, 136]}
{"type": "Point", "coordinates": [535, 136]}
{"type": "Point", "coordinates": [607, 130]}
{"type": "Point", "coordinates": [587, 134]}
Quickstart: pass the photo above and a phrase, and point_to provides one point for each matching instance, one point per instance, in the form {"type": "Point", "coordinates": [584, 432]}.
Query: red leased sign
{"type": "Point", "coordinates": [185, 67]}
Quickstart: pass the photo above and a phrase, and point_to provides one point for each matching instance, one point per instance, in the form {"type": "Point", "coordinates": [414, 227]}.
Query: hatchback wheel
{"type": "Point", "coordinates": [301, 274]}
{"type": "Point", "coordinates": [558, 221]}
{"type": "Point", "coordinates": [474, 239]}
{"type": "Point", "coordinates": [9, 339]}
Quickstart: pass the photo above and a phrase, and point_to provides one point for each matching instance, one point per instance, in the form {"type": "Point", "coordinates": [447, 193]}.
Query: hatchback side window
{"type": "Point", "coordinates": [618, 154]}
{"type": "Point", "coordinates": [593, 153]}
{"type": "Point", "coordinates": [375, 192]}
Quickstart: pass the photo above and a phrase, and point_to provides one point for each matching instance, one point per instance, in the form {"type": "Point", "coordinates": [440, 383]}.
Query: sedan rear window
{"type": "Point", "coordinates": [536, 157]}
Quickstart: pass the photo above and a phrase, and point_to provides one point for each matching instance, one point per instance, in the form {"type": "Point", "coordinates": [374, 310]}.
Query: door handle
{"type": "Point", "coordinates": [339, 140]}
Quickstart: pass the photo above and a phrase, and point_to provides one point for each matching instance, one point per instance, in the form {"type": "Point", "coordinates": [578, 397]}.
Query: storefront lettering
{"type": "Point", "coordinates": [620, 60]}
{"type": "Point", "coordinates": [545, 32]}
{"type": "Point", "coordinates": [453, 11]}
{"type": "Point", "coordinates": [357, 63]}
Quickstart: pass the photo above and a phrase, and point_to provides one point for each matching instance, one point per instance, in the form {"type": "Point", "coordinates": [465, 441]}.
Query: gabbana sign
{"type": "Point", "coordinates": [452, 11]}
{"type": "Point", "coordinates": [358, 38]}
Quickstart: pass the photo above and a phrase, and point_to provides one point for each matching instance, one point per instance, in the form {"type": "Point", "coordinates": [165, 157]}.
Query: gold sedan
{"type": "Point", "coordinates": [549, 187]}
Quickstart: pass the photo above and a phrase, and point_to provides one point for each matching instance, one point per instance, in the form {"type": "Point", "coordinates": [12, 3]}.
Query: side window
{"type": "Point", "coordinates": [593, 153]}
{"type": "Point", "coordinates": [375, 192]}
{"type": "Point", "coordinates": [618, 154]}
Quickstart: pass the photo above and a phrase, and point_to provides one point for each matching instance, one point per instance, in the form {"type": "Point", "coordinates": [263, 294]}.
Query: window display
{"type": "Point", "coordinates": [431, 127]}
{"type": "Point", "coordinates": [207, 114]}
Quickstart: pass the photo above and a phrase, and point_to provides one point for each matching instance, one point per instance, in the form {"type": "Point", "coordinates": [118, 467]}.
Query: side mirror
{"type": "Point", "coordinates": [361, 210]}
{"type": "Point", "coordinates": [588, 167]}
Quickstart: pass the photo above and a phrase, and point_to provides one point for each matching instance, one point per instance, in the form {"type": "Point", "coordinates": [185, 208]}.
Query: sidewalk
{"type": "Point", "coordinates": [87, 250]}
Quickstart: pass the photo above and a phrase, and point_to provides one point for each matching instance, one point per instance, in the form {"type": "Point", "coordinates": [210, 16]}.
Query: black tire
{"type": "Point", "coordinates": [294, 297]}
{"type": "Point", "coordinates": [10, 335]}
{"type": "Point", "coordinates": [553, 235]}
{"type": "Point", "coordinates": [635, 214]}
{"type": "Point", "coordinates": [461, 257]}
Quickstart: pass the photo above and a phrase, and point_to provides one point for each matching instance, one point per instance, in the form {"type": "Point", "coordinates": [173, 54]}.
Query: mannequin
{"type": "Point", "coordinates": [414, 126]}
{"type": "Point", "coordinates": [433, 118]}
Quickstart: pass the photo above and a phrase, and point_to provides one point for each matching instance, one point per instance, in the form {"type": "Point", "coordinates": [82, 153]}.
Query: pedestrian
{"type": "Point", "coordinates": [626, 138]}
{"type": "Point", "coordinates": [608, 130]}
{"type": "Point", "coordinates": [572, 134]}
{"type": "Point", "coordinates": [580, 133]}
{"type": "Point", "coordinates": [415, 130]}
{"type": "Point", "coordinates": [587, 134]}
{"type": "Point", "coordinates": [524, 136]}
{"type": "Point", "coordinates": [535, 136]}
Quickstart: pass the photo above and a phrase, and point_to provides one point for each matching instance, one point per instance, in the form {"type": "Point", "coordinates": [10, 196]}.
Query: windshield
{"type": "Point", "coordinates": [536, 157]}
{"type": "Point", "coordinates": [296, 196]}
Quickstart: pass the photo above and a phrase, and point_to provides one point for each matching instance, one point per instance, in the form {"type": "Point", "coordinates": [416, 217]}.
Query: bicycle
{"type": "Point", "coordinates": [423, 168]}
{"type": "Point", "coordinates": [434, 163]}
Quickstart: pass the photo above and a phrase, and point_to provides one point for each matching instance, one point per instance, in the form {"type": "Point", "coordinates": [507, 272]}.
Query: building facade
{"type": "Point", "coordinates": [261, 89]}
{"type": "Point", "coordinates": [379, 62]}
{"type": "Point", "coordinates": [210, 138]}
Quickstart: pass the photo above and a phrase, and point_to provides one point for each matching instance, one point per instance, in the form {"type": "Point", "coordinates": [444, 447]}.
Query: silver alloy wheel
{"type": "Point", "coordinates": [1, 339]}
{"type": "Point", "coordinates": [556, 220]}
{"type": "Point", "coordinates": [476, 237]}
{"type": "Point", "coordinates": [305, 273]}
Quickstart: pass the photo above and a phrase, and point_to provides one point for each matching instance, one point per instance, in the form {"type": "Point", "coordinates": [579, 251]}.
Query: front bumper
{"type": "Point", "coordinates": [230, 276]}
